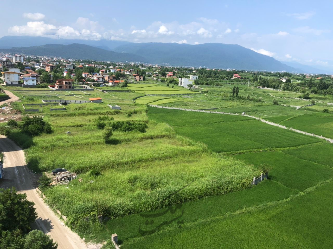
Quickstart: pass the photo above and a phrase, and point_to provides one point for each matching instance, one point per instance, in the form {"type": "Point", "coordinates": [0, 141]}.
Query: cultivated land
{"type": "Point", "coordinates": [186, 181]}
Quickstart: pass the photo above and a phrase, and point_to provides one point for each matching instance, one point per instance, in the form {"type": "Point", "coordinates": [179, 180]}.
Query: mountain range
{"type": "Point", "coordinates": [210, 55]}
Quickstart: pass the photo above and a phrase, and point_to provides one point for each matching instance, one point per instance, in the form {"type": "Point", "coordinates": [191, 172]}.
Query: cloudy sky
{"type": "Point", "coordinates": [292, 30]}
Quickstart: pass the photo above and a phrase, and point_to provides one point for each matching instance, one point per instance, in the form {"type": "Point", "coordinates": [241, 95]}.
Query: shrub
{"type": "Point", "coordinates": [12, 123]}
{"type": "Point", "coordinates": [100, 124]}
{"type": "Point", "coordinates": [107, 134]}
{"type": "Point", "coordinates": [275, 102]}
{"type": "Point", "coordinates": [326, 111]}
{"type": "Point", "coordinates": [35, 126]}
{"type": "Point", "coordinates": [126, 126]}
{"type": "Point", "coordinates": [44, 181]}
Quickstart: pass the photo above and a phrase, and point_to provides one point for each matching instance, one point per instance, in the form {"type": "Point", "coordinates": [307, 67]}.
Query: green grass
{"type": "Point", "coordinates": [149, 171]}
{"type": "Point", "coordinates": [317, 123]}
{"type": "Point", "coordinates": [298, 222]}
{"type": "Point", "coordinates": [227, 133]}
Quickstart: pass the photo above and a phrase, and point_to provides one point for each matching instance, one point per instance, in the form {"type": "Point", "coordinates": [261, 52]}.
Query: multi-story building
{"type": "Point", "coordinates": [12, 76]}
{"type": "Point", "coordinates": [64, 84]}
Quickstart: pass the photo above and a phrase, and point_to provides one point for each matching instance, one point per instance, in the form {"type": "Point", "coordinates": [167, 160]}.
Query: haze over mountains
{"type": "Point", "coordinates": [210, 55]}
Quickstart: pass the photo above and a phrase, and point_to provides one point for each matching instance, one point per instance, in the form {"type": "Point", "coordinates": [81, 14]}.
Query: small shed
{"type": "Point", "coordinates": [115, 107]}
{"type": "Point", "coordinates": [95, 100]}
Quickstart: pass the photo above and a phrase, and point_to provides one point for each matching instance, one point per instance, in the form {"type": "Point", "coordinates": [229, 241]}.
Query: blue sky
{"type": "Point", "coordinates": [291, 30]}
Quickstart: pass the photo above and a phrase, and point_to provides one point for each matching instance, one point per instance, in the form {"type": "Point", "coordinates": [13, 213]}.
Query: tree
{"type": "Point", "coordinates": [237, 91]}
{"type": "Point", "coordinates": [16, 212]}
{"type": "Point", "coordinates": [45, 77]}
{"type": "Point", "coordinates": [38, 240]}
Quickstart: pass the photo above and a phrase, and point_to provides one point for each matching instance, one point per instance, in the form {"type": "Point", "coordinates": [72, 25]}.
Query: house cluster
{"type": "Point", "coordinates": [13, 76]}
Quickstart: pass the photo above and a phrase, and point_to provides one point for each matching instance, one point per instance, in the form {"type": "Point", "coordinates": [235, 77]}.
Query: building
{"type": "Point", "coordinates": [236, 76]}
{"type": "Point", "coordinates": [18, 58]}
{"type": "Point", "coordinates": [138, 77]}
{"type": "Point", "coordinates": [64, 84]}
{"type": "Point", "coordinates": [193, 77]}
{"type": "Point", "coordinates": [95, 100]}
{"type": "Point", "coordinates": [49, 68]}
{"type": "Point", "coordinates": [69, 66]}
{"type": "Point", "coordinates": [184, 82]}
{"type": "Point", "coordinates": [29, 81]}
{"type": "Point", "coordinates": [12, 76]}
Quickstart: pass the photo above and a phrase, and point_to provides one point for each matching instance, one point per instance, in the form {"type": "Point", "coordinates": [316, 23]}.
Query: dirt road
{"type": "Point", "coordinates": [12, 97]}
{"type": "Point", "coordinates": [16, 174]}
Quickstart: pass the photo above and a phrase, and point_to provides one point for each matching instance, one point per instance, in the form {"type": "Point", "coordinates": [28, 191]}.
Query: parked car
{"type": "Point", "coordinates": [56, 171]}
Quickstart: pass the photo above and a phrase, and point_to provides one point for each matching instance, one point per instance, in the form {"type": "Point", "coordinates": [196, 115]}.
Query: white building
{"type": "Point", "coordinates": [18, 58]}
{"type": "Point", "coordinates": [12, 76]}
{"type": "Point", "coordinates": [193, 77]}
{"type": "Point", "coordinates": [184, 82]}
{"type": "Point", "coordinates": [29, 81]}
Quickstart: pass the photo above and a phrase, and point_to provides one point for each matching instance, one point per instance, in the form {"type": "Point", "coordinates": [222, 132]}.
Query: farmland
{"type": "Point", "coordinates": [186, 180]}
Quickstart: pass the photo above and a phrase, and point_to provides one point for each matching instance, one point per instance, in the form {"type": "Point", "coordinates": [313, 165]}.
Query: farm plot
{"type": "Point", "coordinates": [226, 133]}
{"type": "Point", "coordinates": [303, 221]}
{"type": "Point", "coordinates": [317, 123]}
{"type": "Point", "coordinates": [158, 89]}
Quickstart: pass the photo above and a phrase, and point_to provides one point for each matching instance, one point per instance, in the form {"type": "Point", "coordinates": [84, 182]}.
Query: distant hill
{"type": "Point", "coordinates": [210, 55]}
{"type": "Point", "coordinates": [29, 41]}
{"type": "Point", "coordinates": [301, 68]}
{"type": "Point", "coordinates": [76, 51]}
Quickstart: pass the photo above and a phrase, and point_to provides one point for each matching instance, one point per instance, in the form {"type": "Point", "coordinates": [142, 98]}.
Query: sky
{"type": "Point", "coordinates": [294, 30]}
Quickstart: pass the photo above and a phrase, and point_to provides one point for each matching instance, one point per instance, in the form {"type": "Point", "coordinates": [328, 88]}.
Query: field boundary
{"type": "Point", "coordinates": [330, 140]}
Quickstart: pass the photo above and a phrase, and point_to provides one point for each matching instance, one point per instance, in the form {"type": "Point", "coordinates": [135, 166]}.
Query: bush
{"type": "Point", "coordinates": [44, 181]}
{"type": "Point", "coordinates": [326, 110]}
{"type": "Point", "coordinates": [12, 123]}
{"type": "Point", "coordinates": [275, 102]}
{"type": "Point", "coordinates": [126, 126]}
{"type": "Point", "coordinates": [107, 134]}
{"type": "Point", "coordinates": [100, 124]}
{"type": "Point", "coordinates": [35, 126]}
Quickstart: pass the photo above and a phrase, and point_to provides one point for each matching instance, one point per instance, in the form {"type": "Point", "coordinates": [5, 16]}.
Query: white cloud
{"type": "Point", "coordinates": [228, 31]}
{"type": "Point", "coordinates": [302, 16]}
{"type": "Point", "coordinates": [44, 29]}
{"type": "Point", "coordinates": [69, 32]}
{"type": "Point", "coordinates": [204, 33]}
{"type": "Point", "coordinates": [288, 56]}
{"type": "Point", "coordinates": [264, 52]}
{"type": "Point", "coordinates": [86, 23]}
{"type": "Point", "coordinates": [311, 31]}
{"type": "Point", "coordinates": [34, 16]}
{"type": "Point", "coordinates": [164, 30]}
{"type": "Point", "coordinates": [182, 42]}
{"type": "Point", "coordinates": [139, 31]}
{"type": "Point", "coordinates": [283, 33]}
{"type": "Point", "coordinates": [236, 30]}
{"type": "Point", "coordinates": [34, 29]}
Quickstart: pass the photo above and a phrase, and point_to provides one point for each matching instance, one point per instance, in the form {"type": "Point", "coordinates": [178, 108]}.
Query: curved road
{"type": "Point", "coordinates": [16, 174]}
